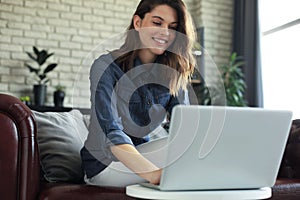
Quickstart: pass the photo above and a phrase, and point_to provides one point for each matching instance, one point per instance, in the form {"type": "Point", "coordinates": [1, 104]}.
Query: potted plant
{"type": "Point", "coordinates": [41, 71]}
{"type": "Point", "coordinates": [25, 99]}
{"type": "Point", "coordinates": [234, 84]}
{"type": "Point", "coordinates": [59, 95]}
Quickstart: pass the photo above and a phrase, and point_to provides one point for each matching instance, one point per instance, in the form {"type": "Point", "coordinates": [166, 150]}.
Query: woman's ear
{"type": "Point", "coordinates": [137, 21]}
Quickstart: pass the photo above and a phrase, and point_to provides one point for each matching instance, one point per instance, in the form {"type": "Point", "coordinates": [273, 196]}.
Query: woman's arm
{"type": "Point", "coordinates": [104, 76]}
{"type": "Point", "coordinates": [132, 159]}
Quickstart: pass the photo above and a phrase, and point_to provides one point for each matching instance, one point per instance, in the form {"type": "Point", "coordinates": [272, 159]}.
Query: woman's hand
{"type": "Point", "coordinates": [132, 159]}
{"type": "Point", "coordinates": [154, 177]}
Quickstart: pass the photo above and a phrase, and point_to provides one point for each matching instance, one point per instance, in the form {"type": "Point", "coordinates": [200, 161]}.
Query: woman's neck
{"type": "Point", "coordinates": [146, 56]}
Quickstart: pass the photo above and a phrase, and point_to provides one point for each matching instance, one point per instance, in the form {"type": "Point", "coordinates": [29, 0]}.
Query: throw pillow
{"type": "Point", "coordinates": [60, 138]}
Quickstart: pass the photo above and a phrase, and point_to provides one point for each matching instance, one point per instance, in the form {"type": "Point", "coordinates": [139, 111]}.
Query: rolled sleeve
{"type": "Point", "coordinates": [106, 109]}
{"type": "Point", "coordinates": [118, 137]}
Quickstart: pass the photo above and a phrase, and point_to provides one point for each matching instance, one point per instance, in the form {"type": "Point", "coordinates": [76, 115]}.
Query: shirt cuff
{"type": "Point", "coordinates": [118, 137]}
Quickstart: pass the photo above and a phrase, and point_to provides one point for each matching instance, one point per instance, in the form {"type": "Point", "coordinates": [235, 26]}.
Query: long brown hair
{"type": "Point", "coordinates": [178, 56]}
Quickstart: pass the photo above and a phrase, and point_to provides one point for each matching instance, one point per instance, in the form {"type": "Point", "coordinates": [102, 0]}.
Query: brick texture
{"type": "Point", "coordinates": [77, 31]}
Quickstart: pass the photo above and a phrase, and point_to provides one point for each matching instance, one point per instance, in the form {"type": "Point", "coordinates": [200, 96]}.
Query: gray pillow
{"type": "Point", "coordinates": [60, 137]}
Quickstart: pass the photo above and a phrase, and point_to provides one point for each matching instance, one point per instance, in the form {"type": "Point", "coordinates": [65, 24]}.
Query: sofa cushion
{"type": "Point", "coordinates": [59, 191]}
{"type": "Point", "coordinates": [60, 137]}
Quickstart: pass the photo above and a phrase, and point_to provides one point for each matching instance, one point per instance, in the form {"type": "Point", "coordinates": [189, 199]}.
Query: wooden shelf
{"type": "Point", "coordinates": [49, 108]}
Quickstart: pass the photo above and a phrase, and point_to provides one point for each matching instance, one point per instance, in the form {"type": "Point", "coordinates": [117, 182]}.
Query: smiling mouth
{"type": "Point", "coordinates": [160, 41]}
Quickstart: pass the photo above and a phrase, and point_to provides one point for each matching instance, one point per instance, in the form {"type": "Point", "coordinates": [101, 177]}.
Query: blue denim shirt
{"type": "Point", "coordinates": [125, 108]}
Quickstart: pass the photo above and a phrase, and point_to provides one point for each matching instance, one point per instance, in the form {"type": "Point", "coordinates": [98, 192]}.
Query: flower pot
{"type": "Point", "coordinates": [39, 92]}
{"type": "Point", "coordinates": [58, 98]}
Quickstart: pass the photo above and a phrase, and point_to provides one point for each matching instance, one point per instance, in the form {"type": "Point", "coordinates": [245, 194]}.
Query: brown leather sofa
{"type": "Point", "coordinates": [20, 168]}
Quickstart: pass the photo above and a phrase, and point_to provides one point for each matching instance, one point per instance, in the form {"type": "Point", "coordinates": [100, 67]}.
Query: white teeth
{"type": "Point", "coordinates": [160, 41]}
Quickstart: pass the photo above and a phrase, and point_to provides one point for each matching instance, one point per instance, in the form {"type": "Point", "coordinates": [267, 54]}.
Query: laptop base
{"type": "Point", "coordinates": [139, 191]}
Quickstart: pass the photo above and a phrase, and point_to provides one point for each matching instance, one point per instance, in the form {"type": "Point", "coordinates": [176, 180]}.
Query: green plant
{"type": "Point", "coordinates": [25, 98]}
{"type": "Point", "coordinates": [40, 57]}
{"type": "Point", "coordinates": [234, 83]}
{"type": "Point", "coordinates": [60, 88]}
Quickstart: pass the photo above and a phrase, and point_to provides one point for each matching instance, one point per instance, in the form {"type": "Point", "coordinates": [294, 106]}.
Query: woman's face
{"type": "Point", "coordinates": [157, 31]}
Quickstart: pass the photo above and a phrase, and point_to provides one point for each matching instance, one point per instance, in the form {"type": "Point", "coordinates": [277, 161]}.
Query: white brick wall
{"type": "Point", "coordinates": [217, 18]}
{"type": "Point", "coordinates": [72, 28]}
{"type": "Point", "coordinates": [69, 28]}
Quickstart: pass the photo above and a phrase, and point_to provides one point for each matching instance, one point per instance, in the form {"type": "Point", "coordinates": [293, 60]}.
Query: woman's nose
{"type": "Point", "coordinates": [165, 31]}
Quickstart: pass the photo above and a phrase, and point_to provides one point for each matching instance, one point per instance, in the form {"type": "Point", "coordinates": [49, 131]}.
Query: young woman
{"type": "Point", "coordinates": [132, 90]}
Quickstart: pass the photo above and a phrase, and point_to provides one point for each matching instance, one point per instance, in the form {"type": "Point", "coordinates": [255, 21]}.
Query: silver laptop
{"type": "Point", "coordinates": [212, 148]}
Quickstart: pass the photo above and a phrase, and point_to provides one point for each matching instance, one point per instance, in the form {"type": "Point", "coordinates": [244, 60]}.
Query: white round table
{"type": "Point", "coordinates": [139, 191]}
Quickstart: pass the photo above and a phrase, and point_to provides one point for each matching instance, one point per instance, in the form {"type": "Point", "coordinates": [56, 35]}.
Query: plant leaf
{"type": "Point", "coordinates": [42, 57]}
{"type": "Point", "coordinates": [31, 56]}
{"type": "Point", "coordinates": [233, 56]}
{"type": "Point", "coordinates": [50, 54]}
{"type": "Point", "coordinates": [32, 69]}
{"type": "Point", "coordinates": [42, 76]}
{"type": "Point", "coordinates": [50, 67]}
{"type": "Point", "coordinates": [35, 50]}
{"type": "Point", "coordinates": [238, 64]}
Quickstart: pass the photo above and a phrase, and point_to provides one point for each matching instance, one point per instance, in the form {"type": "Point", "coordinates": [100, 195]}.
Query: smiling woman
{"type": "Point", "coordinates": [156, 31]}
{"type": "Point", "coordinates": [133, 89]}
{"type": "Point", "coordinates": [180, 51]}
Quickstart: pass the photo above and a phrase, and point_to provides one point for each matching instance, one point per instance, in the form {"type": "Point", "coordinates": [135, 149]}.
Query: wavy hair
{"type": "Point", "coordinates": [178, 56]}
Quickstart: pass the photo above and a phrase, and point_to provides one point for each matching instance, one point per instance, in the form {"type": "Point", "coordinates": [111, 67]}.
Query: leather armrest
{"type": "Point", "coordinates": [290, 166]}
{"type": "Point", "coordinates": [18, 150]}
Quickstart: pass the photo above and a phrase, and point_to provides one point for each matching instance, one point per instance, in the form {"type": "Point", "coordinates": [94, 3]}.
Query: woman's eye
{"type": "Point", "coordinates": [157, 23]}
{"type": "Point", "coordinates": [173, 28]}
